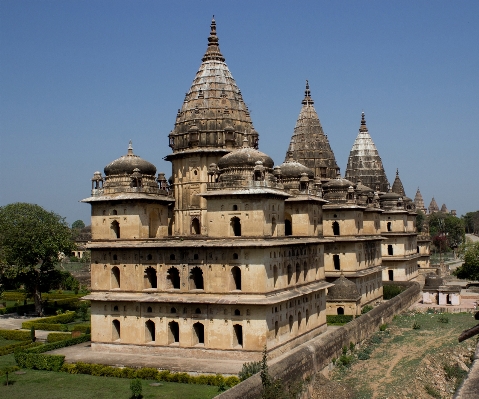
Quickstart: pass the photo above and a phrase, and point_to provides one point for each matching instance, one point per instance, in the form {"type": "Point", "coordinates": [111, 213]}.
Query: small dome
{"type": "Point", "coordinates": [245, 156]}
{"type": "Point", "coordinates": [343, 289]}
{"type": "Point", "coordinates": [361, 188]}
{"type": "Point", "coordinates": [338, 183]}
{"type": "Point", "coordinates": [127, 164]}
{"type": "Point", "coordinates": [294, 170]}
{"type": "Point", "coordinates": [390, 196]}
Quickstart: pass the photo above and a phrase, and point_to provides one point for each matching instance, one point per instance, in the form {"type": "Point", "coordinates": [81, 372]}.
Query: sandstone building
{"type": "Point", "coordinates": [233, 253]}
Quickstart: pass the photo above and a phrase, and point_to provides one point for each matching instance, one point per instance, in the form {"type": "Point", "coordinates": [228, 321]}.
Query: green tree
{"type": "Point", "coordinates": [470, 268]}
{"type": "Point", "coordinates": [78, 224]}
{"type": "Point", "coordinates": [444, 227]}
{"type": "Point", "coordinates": [31, 240]}
{"type": "Point", "coordinates": [420, 219]}
{"type": "Point", "coordinates": [471, 222]}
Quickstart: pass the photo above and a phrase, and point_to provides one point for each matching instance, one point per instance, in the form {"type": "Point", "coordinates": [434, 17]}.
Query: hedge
{"type": "Point", "coordinates": [16, 335]}
{"type": "Point", "coordinates": [60, 344]}
{"type": "Point", "coordinates": [82, 327]}
{"type": "Point", "coordinates": [6, 350]}
{"type": "Point", "coordinates": [20, 309]}
{"type": "Point", "coordinates": [55, 337]}
{"type": "Point", "coordinates": [48, 323]}
{"type": "Point", "coordinates": [338, 319]}
{"type": "Point", "coordinates": [38, 361]}
{"type": "Point", "coordinates": [148, 373]}
{"type": "Point", "coordinates": [21, 296]}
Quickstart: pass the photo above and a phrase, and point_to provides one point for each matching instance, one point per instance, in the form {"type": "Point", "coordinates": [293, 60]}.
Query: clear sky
{"type": "Point", "coordinates": [79, 79]}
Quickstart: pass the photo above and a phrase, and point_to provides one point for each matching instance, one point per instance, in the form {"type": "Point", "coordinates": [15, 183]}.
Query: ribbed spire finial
{"type": "Point", "coordinates": [213, 51]}
{"type": "Point", "coordinates": [307, 95]}
{"type": "Point", "coordinates": [363, 127]}
{"type": "Point", "coordinates": [130, 148]}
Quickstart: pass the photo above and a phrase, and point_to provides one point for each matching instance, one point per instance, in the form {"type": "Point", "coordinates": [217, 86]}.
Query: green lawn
{"type": "Point", "coordinates": [37, 384]}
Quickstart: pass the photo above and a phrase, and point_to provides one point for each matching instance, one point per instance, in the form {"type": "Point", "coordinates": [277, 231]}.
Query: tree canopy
{"type": "Point", "coordinates": [444, 227]}
{"type": "Point", "coordinates": [470, 268]}
{"type": "Point", "coordinates": [471, 222]}
{"type": "Point", "coordinates": [31, 241]}
{"type": "Point", "coordinates": [78, 224]}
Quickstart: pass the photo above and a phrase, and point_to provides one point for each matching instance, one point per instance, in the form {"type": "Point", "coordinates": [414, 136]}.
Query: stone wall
{"type": "Point", "coordinates": [308, 359]}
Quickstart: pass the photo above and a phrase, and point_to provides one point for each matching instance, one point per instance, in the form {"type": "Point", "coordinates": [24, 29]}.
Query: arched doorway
{"type": "Point", "coordinates": [195, 226]}
{"type": "Point", "coordinates": [236, 226]}
{"type": "Point", "coordinates": [115, 229]}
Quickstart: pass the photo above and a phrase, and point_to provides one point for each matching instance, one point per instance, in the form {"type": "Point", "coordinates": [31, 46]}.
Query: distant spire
{"type": "Point", "coordinates": [363, 127]}
{"type": "Point", "coordinates": [398, 187]}
{"type": "Point", "coordinates": [130, 148]}
{"type": "Point", "coordinates": [307, 96]}
{"type": "Point", "coordinates": [213, 51]}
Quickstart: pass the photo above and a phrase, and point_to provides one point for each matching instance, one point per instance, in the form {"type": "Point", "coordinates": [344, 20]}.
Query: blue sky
{"type": "Point", "coordinates": [79, 79]}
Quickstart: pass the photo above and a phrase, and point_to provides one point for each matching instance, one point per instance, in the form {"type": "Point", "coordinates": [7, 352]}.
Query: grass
{"type": "Point", "coordinates": [435, 335]}
{"type": "Point", "coordinates": [50, 385]}
{"type": "Point", "coordinates": [6, 342]}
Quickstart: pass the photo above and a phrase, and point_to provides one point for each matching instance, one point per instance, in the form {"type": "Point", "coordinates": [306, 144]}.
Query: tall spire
{"type": "Point", "coordinates": [419, 201]}
{"type": "Point", "coordinates": [309, 145]}
{"type": "Point", "coordinates": [213, 114]}
{"type": "Point", "coordinates": [213, 51]}
{"type": "Point", "coordinates": [398, 188]}
{"type": "Point", "coordinates": [433, 206]}
{"type": "Point", "coordinates": [364, 162]}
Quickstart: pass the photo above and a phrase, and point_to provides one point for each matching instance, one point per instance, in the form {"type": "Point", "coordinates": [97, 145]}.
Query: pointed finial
{"type": "Point", "coordinates": [363, 127]}
{"type": "Point", "coordinates": [307, 95]}
{"type": "Point", "coordinates": [397, 171]}
{"type": "Point", "coordinates": [213, 51]}
{"type": "Point", "coordinates": [130, 148]}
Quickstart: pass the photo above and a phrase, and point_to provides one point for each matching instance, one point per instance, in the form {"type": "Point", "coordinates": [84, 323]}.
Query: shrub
{"type": "Point", "coordinates": [432, 391]}
{"type": "Point", "coordinates": [383, 327]}
{"type": "Point", "coordinates": [15, 335]}
{"type": "Point", "coordinates": [249, 369]}
{"type": "Point", "coordinates": [147, 373]}
{"type": "Point", "coordinates": [443, 319]}
{"type": "Point", "coordinates": [416, 326]}
{"type": "Point", "coordinates": [454, 372]}
{"type": "Point", "coordinates": [38, 361]}
{"type": "Point", "coordinates": [363, 355]}
{"type": "Point", "coordinates": [345, 360]}
{"type": "Point", "coordinates": [338, 319]}
{"type": "Point", "coordinates": [390, 291]}
{"type": "Point", "coordinates": [55, 337]}
{"type": "Point", "coordinates": [136, 388]}
{"type": "Point", "coordinates": [6, 350]}
{"type": "Point", "coordinates": [84, 328]}
{"type": "Point", "coordinates": [376, 339]}
{"type": "Point", "coordinates": [232, 381]}
{"type": "Point", "coordinates": [366, 309]}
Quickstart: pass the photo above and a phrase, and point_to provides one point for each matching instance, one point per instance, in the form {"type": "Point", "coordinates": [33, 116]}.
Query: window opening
{"type": "Point", "coordinates": [236, 226]}
{"type": "Point", "coordinates": [173, 332]}
{"type": "Point", "coordinates": [115, 277]}
{"type": "Point", "coordinates": [115, 229]}
{"type": "Point", "coordinates": [173, 277]}
{"type": "Point", "coordinates": [116, 330]}
{"type": "Point", "coordinates": [150, 278]}
{"type": "Point", "coordinates": [236, 273]}
{"type": "Point", "coordinates": [336, 228]}
{"type": "Point", "coordinates": [198, 333]}
{"type": "Point", "coordinates": [196, 277]}
{"type": "Point", "coordinates": [149, 331]}
{"type": "Point", "coordinates": [337, 265]}
{"type": "Point", "coordinates": [238, 335]}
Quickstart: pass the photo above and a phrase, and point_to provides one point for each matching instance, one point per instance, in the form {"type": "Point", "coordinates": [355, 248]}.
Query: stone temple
{"type": "Point", "coordinates": [232, 253]}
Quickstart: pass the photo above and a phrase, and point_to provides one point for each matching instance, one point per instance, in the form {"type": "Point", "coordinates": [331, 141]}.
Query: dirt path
{"type": "Point", "coordinates": [406, 362]}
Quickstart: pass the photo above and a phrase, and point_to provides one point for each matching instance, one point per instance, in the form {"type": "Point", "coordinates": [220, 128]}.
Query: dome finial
{"type": "Point", "coordinates": [363, 127]}
{"type": "Point", "coordinates": [130, 148]}
{"type": "Point", "coordinates": [307, 95]}
{"type": "Point", "coordinates": [397, 171]}
{"type": "Point", "coordinates": [213, 51]}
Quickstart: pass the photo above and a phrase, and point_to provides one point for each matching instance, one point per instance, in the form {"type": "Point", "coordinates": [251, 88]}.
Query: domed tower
{"type": "Point", "coordinates": [419, 201]}
{"type": "Point", "coordinates": [397, 187]}
{"type": "Point", "coordinates": [129, 202]}
{"type": "Point", "coordinates": [433, 207]}
{"type": "Point", "coordinates": [212, 121]}
{"type": "Point", "coordinates": [365, 163]}
{"type": "Point", "coordinates": [309, 145]}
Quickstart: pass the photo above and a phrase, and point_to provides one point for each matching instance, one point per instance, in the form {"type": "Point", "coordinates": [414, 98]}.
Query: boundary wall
{"type": "Point", "coordinates": [313, 356]}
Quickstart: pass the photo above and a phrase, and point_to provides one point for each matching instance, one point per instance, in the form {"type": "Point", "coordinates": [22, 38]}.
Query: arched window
{"type": "Point", "coordinates": [276, 328]}
{"type": "Point", "coordinates": [307, 316]}
{"type": "Point", "coordinates": [115, 277]}
{"type": "Point", "coordinates": [298, 272]}
{"type": "Point", "coordinates": [196, 278]}
{"type": "Point", "coordinates": [173, 310]}
{"type": "Point", "coordinates": [197, 311]}
{"type": "Point", "coordinates": [273, 227]}
{"type": "Point", "coordinates": [238, 335]}
{"type": "Point", "coordinates": [236, 226]}
{"type": "Point", "coordinates": [417, 249]}
{"type": "Point", "coordinates": [235, 207]}
{"type": "Point", "coordinates": [237, 312]}
{"type": "Point", "coordinates": [150, 278]}
{"type": "Point", "coordinates": [149, 331]}
{"type": "Point", "coordinates": [305, 271]}
{"type": "Point", "coordinates": [336, 262]}
{"type": "Point", "coordinates": [288, 225]}
{"type": "Point", "coordinates": [195, 226]}
{"type": "Point", "coordinates": [299, 320]}
{"type": "Point", "coordinates": [391, 275]}
{"type": "Point", "coordinates": [115, 333]}
{"type": "Point", "coordinates": [235, 256]}
{"type": "Point", "coordinates": [149, 309]}
{"type": "Point", "coordinates": [173, 332]}
{"type": "Point", "coordinates": [336, 228]}
{"type": "Point", "coordinates": [198, 333]}
{"type": "Point", "coordinates": [173, 278]}
{"type": "Point", "coordinates": [290, 274]}
{"type": "Point", "coordinates": [236, 274]}
{"type": "Point", "coordinates": [340, 310]}
{"type": "Point", "coordinates": [115, 229]}
{"type": "Point", "coordinates": [115, 308]}
{"type": "Point", "coordinates": [291, 323]}
{"type": "Point", "coordinates": [172, 256]}
{"type": "Point", "coordinates": [275, 275]}
{"type": "Point", "coordinates": [114, 212]}
{"type": "Point", "coordinates": [390, 250]}
{"type": "Point", "coordinates": [389, 226]}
